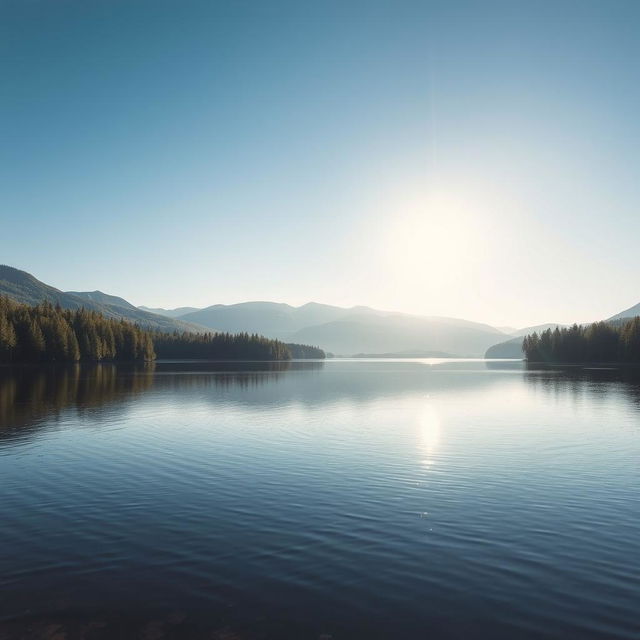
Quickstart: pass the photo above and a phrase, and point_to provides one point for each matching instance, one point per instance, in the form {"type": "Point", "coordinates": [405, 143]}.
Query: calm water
{"type": "Point", "coordinates": [346, 499]}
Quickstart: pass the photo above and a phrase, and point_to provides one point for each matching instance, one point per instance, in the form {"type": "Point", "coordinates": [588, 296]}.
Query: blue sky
{"type": "Point", "coordinates": [469, 159]}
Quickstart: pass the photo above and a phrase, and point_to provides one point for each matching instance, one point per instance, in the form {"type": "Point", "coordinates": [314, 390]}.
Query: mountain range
{"type": "Point", "coordinates": [347, 331]}
{"type": "Point", "coordinates": [338, 330]}
{"type": "Point", "coordinates": [169, 313]}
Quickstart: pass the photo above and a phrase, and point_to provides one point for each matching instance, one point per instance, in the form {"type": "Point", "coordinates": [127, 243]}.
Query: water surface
{"type": "Point", "coordinates": [344, 499]}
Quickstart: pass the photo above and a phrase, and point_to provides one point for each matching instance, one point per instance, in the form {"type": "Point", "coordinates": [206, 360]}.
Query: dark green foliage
{"type": "Point", "coordinates": [45, 333]}
{"type": "Point", "coordinates": [305, 352]}
{"type": "Point", "coordinates": [630, 340]}
{"type": "Point", "coordinates": [219, 346]}
{"type": "Point", "coordinates": [8, 338]}
{"type": "Point", "coordinates": [597, 342]}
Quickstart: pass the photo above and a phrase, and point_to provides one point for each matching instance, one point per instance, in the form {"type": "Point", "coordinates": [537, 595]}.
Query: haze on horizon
{"type": "Point", "coordinates": [474, 160]}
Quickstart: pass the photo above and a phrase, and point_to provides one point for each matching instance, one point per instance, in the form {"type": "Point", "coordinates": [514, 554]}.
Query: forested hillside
{"type": "Point", "coordinates": [22, 287]}
{"type": "Point", "coordinates": [508, 349]}
{"type": "Point", "coordinates": [597, 342]}
{"type": "Point", "coordinates": [48, 333]}
{"type": "Point", "coordinates": [44, 333]}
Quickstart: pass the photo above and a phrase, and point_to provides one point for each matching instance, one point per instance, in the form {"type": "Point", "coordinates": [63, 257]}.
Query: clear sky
{"type": "Point", "coordinates": [469, 159]}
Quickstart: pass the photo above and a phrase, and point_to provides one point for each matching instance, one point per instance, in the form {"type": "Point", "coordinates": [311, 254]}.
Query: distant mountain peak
{"type": "Point", "coordinates": [631, 312]}
{"type": "Point", "coordinates": [12, 274]}
{"type": "Point", "coordinates": [103, 298]}
{"type": "Point", "coordinates": [169, 313]}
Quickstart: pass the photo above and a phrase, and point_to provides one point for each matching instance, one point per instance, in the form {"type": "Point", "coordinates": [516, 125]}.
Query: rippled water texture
{"type": "Point", "coordinates": [345, 499]}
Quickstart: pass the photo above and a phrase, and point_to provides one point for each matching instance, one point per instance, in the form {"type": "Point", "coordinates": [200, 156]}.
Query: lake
{"type": "Point", "coordinates": [337, 499]}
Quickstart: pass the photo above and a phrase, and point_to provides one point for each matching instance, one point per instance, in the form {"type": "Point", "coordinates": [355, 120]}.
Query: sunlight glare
{"type": "Point", "coordinates": [429, 432]}
{"type": "Point", "coordinates": [433, 235]}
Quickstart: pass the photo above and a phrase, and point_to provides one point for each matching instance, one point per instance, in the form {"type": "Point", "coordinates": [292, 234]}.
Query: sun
{"type": "Point", "coordinates": [434, 240]}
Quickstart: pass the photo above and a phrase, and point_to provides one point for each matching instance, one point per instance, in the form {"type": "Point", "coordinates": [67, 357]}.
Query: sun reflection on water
{"type": "Point", "coordinates": [429, 434]}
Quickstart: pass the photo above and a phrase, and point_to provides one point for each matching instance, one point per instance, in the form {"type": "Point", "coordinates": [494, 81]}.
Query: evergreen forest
{"type": "Point", "coordinates": [219, 346]}
{"type": "Point", "coordinates": [595, 343]}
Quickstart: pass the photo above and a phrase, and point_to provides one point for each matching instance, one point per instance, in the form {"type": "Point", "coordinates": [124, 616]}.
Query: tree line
{"type": "Point", "coordinates": [305, 352]}
{"type": "Point", "coordinates": [218, 346]}
{"type": "Point", "coordinates": [228, 346]}
{"type": "Point", "coordinates": [48, 333]}
{"type": "Point", "coordinates": [597, 342]}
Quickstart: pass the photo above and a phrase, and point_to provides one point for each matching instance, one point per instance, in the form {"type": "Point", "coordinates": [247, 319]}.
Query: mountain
{"type": "Point", "coordinates": [169, 313]}
{"type": "Point", "coordinates": [23, 287]}
{"type": "Point", "coordinates": [272, 319]}
{"type": "Point", "coordinates": [539, 328]}
{"type": "Point", "coordinates": [627, 313]}
{"type": "Point", "coordinates": [103, 298]}
{"type": "Point", "coordinates": [352, 330]}
{"type": "Point", "coordinates": [509, 349]}
{"type": "Point", "coordinates": [508, 330]}
{"type": "Point", "coordinates": [395, 333]}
